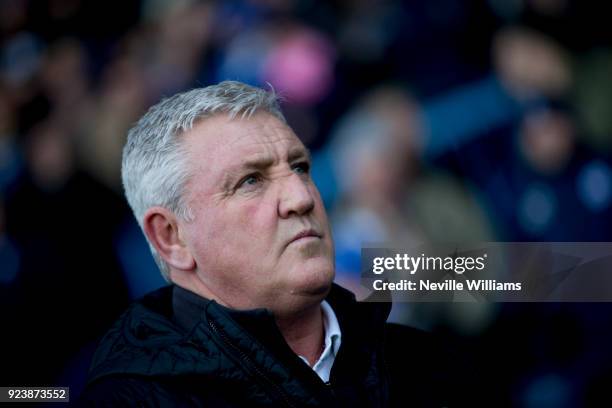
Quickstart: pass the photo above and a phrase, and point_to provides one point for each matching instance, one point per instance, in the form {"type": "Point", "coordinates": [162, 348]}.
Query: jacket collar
{"type": "Point", "coordinates": [188, 309]}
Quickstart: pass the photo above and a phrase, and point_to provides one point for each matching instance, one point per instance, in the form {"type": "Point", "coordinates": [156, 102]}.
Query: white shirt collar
{"type": "Point", "coordinates": [333, 338]}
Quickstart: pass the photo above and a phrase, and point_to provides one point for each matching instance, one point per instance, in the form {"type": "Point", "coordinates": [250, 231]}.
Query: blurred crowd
{"type": "Point", "coordinates": [443, 120]}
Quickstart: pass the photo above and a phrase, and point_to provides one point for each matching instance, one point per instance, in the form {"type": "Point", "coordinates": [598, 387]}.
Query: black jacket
{"type": "Point", "coordinates": [196, 353]}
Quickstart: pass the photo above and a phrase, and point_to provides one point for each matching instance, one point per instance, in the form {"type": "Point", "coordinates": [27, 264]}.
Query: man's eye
{"type": "Point", "coordinates": [250, 180]}
{"type": "Point", "coordinates": [301, 168]}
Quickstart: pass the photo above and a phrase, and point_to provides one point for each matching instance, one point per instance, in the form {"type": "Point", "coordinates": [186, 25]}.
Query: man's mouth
{"type": "Point", "coordinates": [304, 235]}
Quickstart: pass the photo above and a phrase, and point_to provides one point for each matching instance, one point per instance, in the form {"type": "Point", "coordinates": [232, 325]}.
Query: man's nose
{"type": "Point", "coordinates": [295, 197]}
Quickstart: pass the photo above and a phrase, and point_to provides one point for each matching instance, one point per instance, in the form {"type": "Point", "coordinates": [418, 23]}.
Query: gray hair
{"type": "Point", "coordinates": [154, 170]}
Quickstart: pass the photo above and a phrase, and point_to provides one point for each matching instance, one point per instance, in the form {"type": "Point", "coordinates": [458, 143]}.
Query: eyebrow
{"type": "Point", "coordinates": [299, 153]}
{"type": "Point", "coordinates": [261, 163]}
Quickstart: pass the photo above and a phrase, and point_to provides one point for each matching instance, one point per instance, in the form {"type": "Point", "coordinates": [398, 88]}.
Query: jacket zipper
{"type": "Point", "coordinates": [250, 363]}
{"type": "Point", "coordinates": [330, 387]}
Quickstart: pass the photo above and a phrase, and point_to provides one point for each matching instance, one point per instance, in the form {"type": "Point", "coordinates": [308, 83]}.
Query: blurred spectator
{"type": "Point", "coordinates": [389, 196]}
{"type": "Point", "coordinates": [530, 64]}
{"type": "Point", "coordinates": [106, 118]}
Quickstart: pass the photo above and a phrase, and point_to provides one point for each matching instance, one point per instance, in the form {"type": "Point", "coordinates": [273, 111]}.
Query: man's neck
{"type": "Point", "coordinates": [305, 333]}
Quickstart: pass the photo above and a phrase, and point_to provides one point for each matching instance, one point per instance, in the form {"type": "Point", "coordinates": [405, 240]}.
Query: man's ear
{"type": "Point", "coordinates": [162, 229]}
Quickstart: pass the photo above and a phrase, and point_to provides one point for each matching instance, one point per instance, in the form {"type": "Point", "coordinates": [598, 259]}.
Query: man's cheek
{"type": "Point", "coordinates": [256, 221]}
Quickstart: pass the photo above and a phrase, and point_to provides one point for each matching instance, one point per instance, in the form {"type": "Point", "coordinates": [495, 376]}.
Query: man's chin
{"type": "Point", "coordinates": [315, 285]}
{"type": "Point", "coordinates": [320, 291]}
{"type": "Point", "coordinates": [303, 298]}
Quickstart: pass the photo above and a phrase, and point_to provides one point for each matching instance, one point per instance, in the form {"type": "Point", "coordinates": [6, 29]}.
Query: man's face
{"type": "Point", "coordinates": [260, 237]}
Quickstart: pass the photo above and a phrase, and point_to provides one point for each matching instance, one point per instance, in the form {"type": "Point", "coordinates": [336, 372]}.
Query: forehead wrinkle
{"type": "Point", "coordinates": [256, 138]}
{"type": "Point", "coordinates": [263, 145]}
{"type": "Point", "coordinates": [275, 154]}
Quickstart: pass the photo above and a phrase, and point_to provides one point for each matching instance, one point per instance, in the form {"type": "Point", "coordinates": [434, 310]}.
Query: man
{"type": "Point", "coordinates": [221, 188]}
